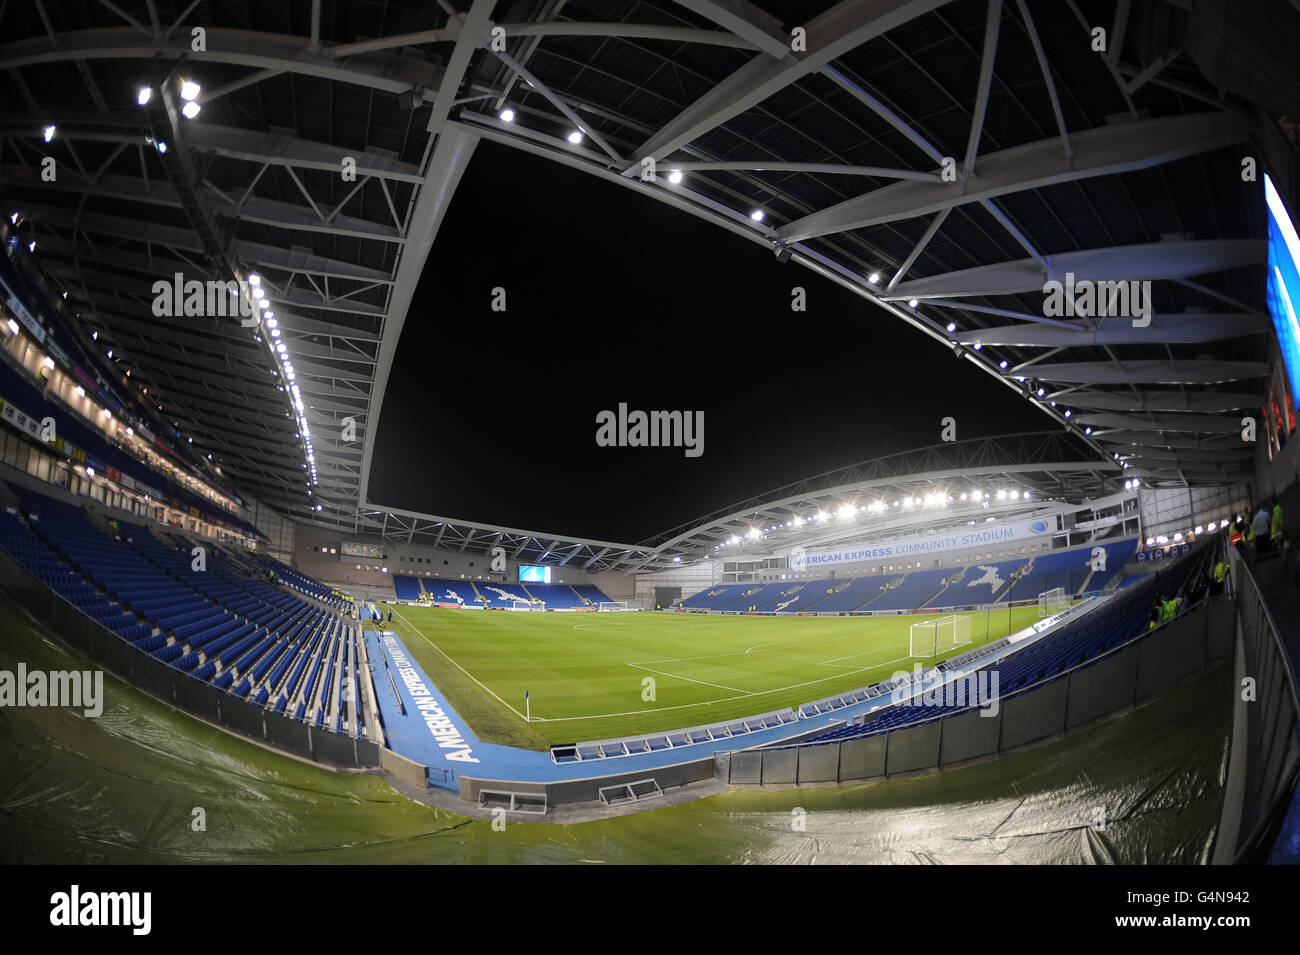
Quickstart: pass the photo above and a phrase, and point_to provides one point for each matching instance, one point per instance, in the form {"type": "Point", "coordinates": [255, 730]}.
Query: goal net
{"type": "Point", "coordinates": [929, 638]}
{"type": "Point", "coordinates": [614, 605]}
{"type": "Point", "coordinates": [524, 605]}
{"type": "Point", "coordinates": [1052, 602]}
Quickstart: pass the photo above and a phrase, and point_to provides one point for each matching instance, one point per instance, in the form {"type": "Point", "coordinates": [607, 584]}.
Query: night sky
{"type": "Point", "coordinates": [612, 297]}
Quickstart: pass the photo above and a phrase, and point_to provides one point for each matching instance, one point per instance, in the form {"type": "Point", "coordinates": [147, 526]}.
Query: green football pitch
{"type": "Point", "coordinates": [601, 675]}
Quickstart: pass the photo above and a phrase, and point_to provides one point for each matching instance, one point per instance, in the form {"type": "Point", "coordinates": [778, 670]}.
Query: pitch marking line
{"type": "Point", "coordinates": [461, 668]}
{"type": "Point", "coordinates": [863, 653]}
{"type": "Point", "coordinates": [715, 656]}
{"type": "Point", "coordinates": [726, 699]}
{"type": "Point", "coordinates": [658, 709]}
{"type": "Point", "coordinates": [716, 686]}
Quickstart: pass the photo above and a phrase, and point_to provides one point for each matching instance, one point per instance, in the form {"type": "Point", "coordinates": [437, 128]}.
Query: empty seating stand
{"type": "Point", "coordinates": [222, 624]}
{"type": "Point", "coordinates": [1075, 643]}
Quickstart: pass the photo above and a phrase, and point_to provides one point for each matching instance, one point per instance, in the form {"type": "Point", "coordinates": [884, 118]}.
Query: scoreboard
{"type": "Point", "coordinates": [364, 551]}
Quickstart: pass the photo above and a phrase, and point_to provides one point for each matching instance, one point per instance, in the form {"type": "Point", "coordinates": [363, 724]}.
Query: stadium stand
{"type": "Point", "coordinates": [857, 593]}
{"type": "Point", "coordinates": [550, 596]}
{"type": "Point", "coordinates": [300, 583]}
{"type": "Point", "coordinates": [591, 594]}
{"type": "Point", "coordinates": [501, 595]}
{"type": "Point", "coordinates": [407, 588]}
{"type": "Point", "coordinates": [913, 590]}
{"type": "Point", "coordinates": [221, 623]}
{"type": "Point", "coordinates": [1006, 581]}
{"type": "Point", "coordinates": [714, 597]}
{"type": "Point", "coordinates": [979, 584]}
{"type": "Point", "coordinates": [17, 387]}
{"type": "Point", "coordinates": [460, 592]}
{"type": "Point", "coordinates": [555, 596]}
{"type": "Point", "coordinates": [1074, 644]}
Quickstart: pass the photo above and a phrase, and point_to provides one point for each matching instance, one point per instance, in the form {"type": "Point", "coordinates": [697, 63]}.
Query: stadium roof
{"type": "Point", "coordinates": [1115, 166]}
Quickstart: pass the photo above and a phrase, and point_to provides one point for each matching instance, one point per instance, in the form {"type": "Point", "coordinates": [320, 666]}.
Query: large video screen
{"type": "Point", "coordinates": [1284, 284]}
{"type": "Point", "coordinates": [533, 574]}
{"type": "Point", "coordinates": [357, 549]}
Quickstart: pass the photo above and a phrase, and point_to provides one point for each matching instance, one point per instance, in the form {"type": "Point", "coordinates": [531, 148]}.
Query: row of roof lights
{"type": "Point", "coordinates": [286, 369]}
{"type": "Point", "coordinates": [190, 91]}
{"type": "Point", "coordinates": [1179, 537]}
{"type": "Point", "coordinates": [576, 136]}
{"type": "Point", "coordinates": [847, 511]}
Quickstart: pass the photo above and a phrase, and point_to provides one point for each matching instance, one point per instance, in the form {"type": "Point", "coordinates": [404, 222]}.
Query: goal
{"type": "Point", "coordinates": [524, 605]}
{"type": "Point", "coordinates": [614, 605]}
{"type": "Point", "coordinates": [930, 637]}
{"type": "Point", "coordinates": [1052, 602]}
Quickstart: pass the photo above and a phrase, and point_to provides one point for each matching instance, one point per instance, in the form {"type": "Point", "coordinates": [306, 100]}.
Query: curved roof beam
{"type": "Point", "coordinates": [1184, 327]}
{"type": "Point", "coordinates": [1097, 152]}
{"type": "Point", "coordinates": [1203, 401]}
{"type": "Point", "coordinates": [744, 20]}
{"type": "Point", "coordinates": [250, 48]}
{"type": "Point", "coordinates": [1173, 259]}
{"type": "Point", "coordinates": [1196, 372]}
{"type": "Point", "coordinates": [844, 27]}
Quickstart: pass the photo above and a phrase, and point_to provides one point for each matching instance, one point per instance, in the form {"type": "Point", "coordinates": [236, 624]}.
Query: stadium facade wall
{"type": "Point", "coordinates": [1174, 510]}
{"type": "Point", "coordinates": [411, 559]}
{"type": "Point", "coordinates": [1138, 673]}
{"type": "Point", "coordinates": [279, 531]}
{"type": "Point", "coordinates": [176, 689]}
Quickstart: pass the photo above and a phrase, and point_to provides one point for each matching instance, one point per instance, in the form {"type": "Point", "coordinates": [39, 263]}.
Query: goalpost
{"type": "Point", "coordinates": [1052, 602]}
{"type": "Point", "coordinates": [930, 637]}
{"type": "Point", "coordinates": [524, 605]}
{"type": "Point", "coordinates": [614, 605]}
